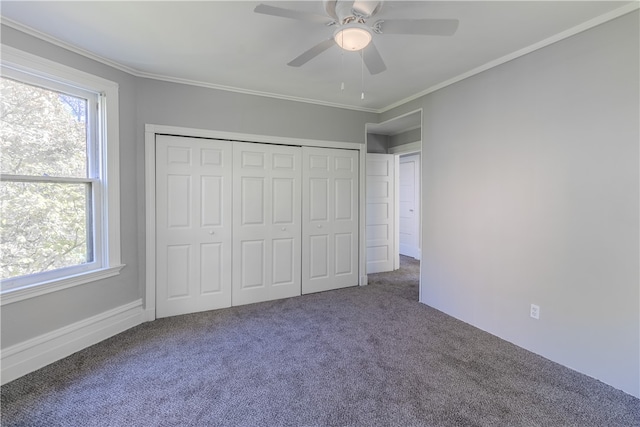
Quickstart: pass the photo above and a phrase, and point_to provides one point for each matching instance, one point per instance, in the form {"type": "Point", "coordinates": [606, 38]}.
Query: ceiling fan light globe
{"type": "Point", "coordinates": [352, 37]}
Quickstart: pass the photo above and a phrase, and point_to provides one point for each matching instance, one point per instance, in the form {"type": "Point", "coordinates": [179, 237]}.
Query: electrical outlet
{"type": "Point", "coordinates": [535, 311]}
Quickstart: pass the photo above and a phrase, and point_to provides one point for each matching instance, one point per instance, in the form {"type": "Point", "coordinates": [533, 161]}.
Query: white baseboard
{"type": "Point", "coordinates": [28, 356]}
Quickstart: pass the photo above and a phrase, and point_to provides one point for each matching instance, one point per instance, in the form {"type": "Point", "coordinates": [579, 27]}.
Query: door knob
{"type": "Point", "coordinates": [284, 228]}
{"type": "Point", "coordinates": [212, 232]}
{"type": "Point", "coordinates": [319, 226]}
{"type": "Point", "coordinates": [410, 210]}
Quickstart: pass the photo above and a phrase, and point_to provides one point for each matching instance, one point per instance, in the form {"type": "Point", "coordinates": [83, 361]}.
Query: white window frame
{"type": "Point", "coordinates": [107, 194]}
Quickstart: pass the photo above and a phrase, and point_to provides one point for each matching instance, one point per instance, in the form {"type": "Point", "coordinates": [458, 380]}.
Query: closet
{"type": "Point", "coordinates": [239, 222]}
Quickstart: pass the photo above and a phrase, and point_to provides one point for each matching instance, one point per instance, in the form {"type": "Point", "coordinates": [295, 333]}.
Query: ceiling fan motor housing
{"type": "Point", "coordinates": [345, 12]}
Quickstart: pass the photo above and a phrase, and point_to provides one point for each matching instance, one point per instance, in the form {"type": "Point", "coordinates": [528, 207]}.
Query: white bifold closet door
{"type": "Point", "coordinates": [193, 225]}
{"type": "Point", "coordinates": [330, 219]}
{"type": "Point", "coordinates": [267, 222]}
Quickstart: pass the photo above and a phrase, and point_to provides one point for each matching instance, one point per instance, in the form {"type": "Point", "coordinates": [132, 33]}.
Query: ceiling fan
{"type": "Point", "coordinates": [353, 31]}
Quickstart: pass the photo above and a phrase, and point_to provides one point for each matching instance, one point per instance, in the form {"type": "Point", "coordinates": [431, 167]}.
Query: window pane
{"type": "Point", "coordinates": [42, 132]}
{"type": "Point", "coordinates": [44, 226]}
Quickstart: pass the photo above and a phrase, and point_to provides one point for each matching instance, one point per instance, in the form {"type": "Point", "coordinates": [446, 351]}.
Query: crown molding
{"type": "Point", "coordinates": [616, 13]}
{"type": "Point", "coordinates": [251, 92]}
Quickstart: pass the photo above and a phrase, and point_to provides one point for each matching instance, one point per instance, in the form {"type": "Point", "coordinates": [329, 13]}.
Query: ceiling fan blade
{"type": "Point", "coordinates": [330, 7]}
{"type": "Point", "coordinates": [312, 53]}
{"type": "Point", "coordinates": [425, 27]}
{"type": "Point", "coordinates": [373, 60]}
{"type": "Point", "coordinates": [293, 14]}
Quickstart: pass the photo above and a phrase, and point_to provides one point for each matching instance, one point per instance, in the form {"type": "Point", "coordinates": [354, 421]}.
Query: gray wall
{"type": "Point", "coordinates": [408, 137]}
{"type": "Point", "coordinates": [530, 189]}
{"type": "Point", "coordinates": [377, 143]}
{"type": "Point", "coordinates": [174, 104]}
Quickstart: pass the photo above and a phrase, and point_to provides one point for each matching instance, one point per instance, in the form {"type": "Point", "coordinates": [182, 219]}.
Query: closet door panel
{"type": "Point", "coordinates": [283, 262]}
{"type": "Point", "coordinates": [267, 224]}
{"type": "Point", "coordinates": [252, 254]}
{"type": "Point", "coordinates": [318, 256]}
{"type": "Point", "coordinates": [211, 267]}
{"type": "Point", "coordinates": [211, 194]}
{"type": "Point", "coordinates": [283, 200]}
{"type": "Point", "coordinates": [330, 219]}
{"type": "Point", "coordinates": [193, 225]}
{"type": "Point", "coordinates": [344, 262]}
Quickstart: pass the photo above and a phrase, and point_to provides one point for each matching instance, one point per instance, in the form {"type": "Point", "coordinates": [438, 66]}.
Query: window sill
{"type": "Point", "coordinates": [30, 291]}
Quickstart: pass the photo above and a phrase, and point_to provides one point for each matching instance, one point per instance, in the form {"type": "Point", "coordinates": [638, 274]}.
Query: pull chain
{"type": "Point", "coordinates": [362, 72]}
{"type": "Point", "coordinates": [342, 69]}
{"type": "Point", "coordinates": [342, 65]}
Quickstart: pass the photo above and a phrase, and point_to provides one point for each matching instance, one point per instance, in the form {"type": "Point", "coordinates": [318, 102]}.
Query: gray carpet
{"type": "Point", "coordinates": [370, 356]}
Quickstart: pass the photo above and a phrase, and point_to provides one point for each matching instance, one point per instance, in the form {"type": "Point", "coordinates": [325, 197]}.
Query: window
{"type": "Point", "coordinates": [58, 169]}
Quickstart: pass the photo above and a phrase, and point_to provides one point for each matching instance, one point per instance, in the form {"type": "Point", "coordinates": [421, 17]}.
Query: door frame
{"type": "Point", "coordinates": [409, 148]}
{"type": "Point", "coordinates": [151, 130]}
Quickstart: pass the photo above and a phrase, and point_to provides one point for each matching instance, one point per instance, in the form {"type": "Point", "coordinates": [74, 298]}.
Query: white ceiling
{"type": "Point", "coordinates": [225, 44]}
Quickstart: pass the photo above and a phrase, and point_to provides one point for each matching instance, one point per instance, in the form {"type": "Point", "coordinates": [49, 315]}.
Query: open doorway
{"type": "Point", "coordinates": [394, 215]}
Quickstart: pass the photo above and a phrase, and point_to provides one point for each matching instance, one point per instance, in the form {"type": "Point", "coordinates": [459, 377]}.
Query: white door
{"type": "Point", "coordinates": [267, 222]}
{"type": "Point", "coordinates": [193, 225]}
{"type": "Point", "coordinates": [330, 219]}
{"type": "Point", "coordinates": [380, 212]}
{"type": "Point", "coordinates": [409, 208]}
